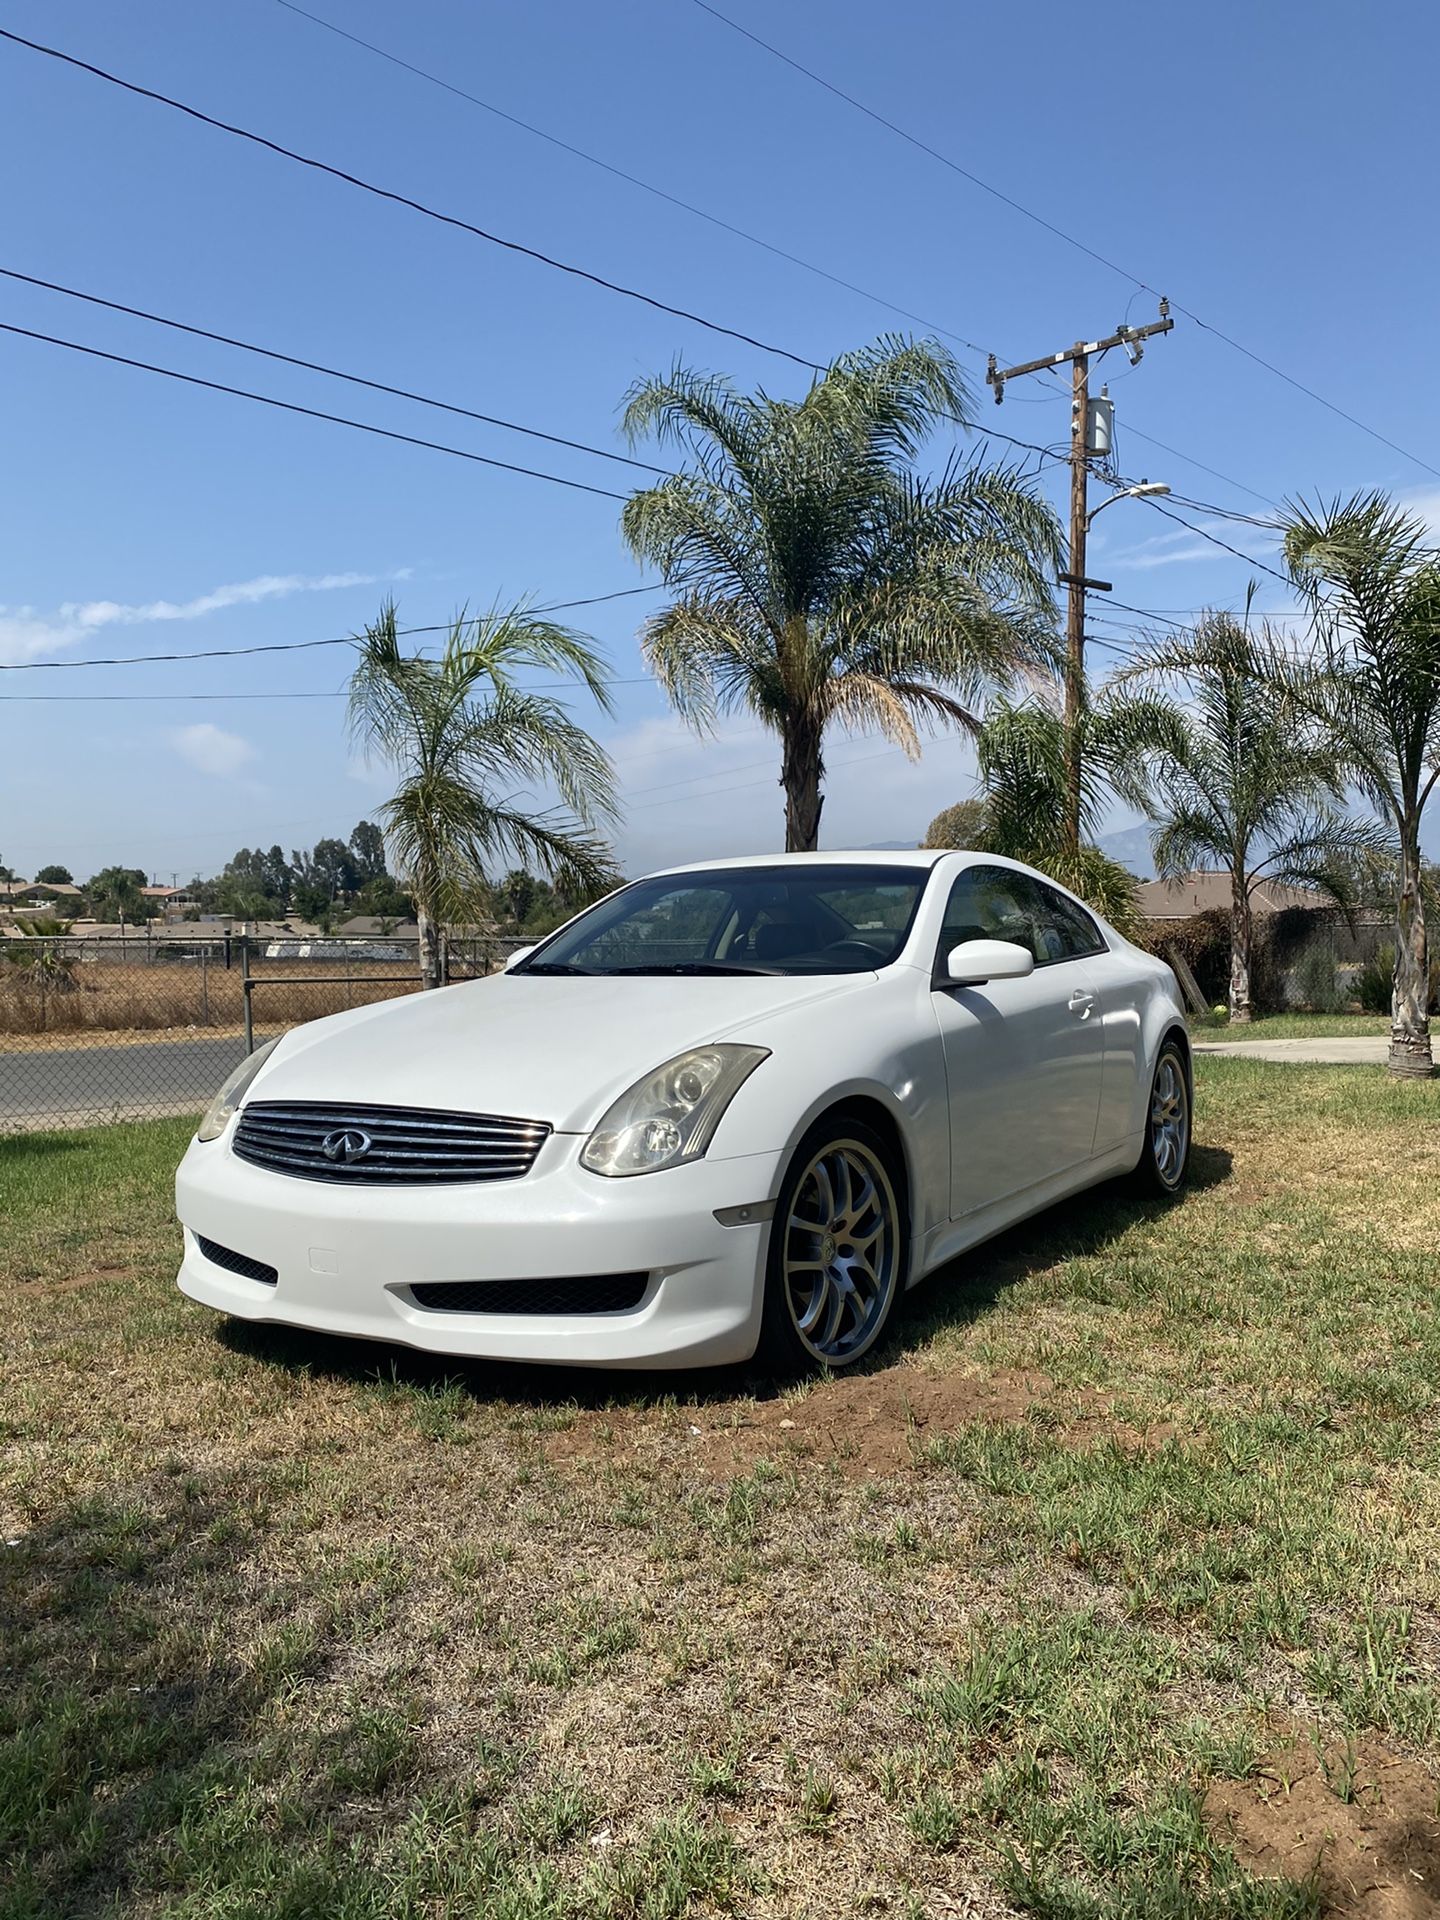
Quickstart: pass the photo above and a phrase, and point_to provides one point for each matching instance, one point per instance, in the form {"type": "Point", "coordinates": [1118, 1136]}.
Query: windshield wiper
{"type": "Point", "coordinates": [693, 966]}
{"type": "Point", "coordinates": [553, 966]}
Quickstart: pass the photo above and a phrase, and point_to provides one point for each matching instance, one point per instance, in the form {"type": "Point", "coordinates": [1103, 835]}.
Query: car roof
{"type": "Point", "coordinates": [921, 857]}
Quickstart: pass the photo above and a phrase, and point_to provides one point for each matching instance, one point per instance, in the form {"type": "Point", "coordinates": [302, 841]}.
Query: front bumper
{"type": "Point", "coordinates": [346, 1256]}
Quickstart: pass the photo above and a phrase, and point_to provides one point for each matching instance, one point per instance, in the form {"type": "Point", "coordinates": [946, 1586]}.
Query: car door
{"type": "Point", "coordinates": [1023, 1058]}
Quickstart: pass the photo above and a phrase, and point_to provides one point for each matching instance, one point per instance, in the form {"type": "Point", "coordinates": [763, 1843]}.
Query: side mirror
{"type": "Point", "coordinates": [513, 960]}
{"type": "Point", "coordinates": [974, 962]}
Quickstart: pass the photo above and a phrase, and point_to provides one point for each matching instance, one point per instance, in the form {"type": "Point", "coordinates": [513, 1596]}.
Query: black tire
{"type": "Point", "coordinates": [836, 1149]}
{"type": "Point", "coordinates": [1169, 1124]}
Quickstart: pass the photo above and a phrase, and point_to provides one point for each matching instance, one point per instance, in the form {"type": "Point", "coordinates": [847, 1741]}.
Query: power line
{"type": "Point", "coordinates": [302, 646]}
{"type": "Point", "coordinates": [631, 179]}
{"type": "Point", "coordinates": [1190, 461]}
{"type": "Point", "coordinates": [1060, 233]}
{"type": "Point", "coordinates": [312, 413]}
{"type": "Point", "coordinates": [405, 200]}
{"type": "Point", "coordinates": [317, 366]}
{"type": "Point", "coordinates": [1216, 541]}
{"type": "Point", "coordinates": [701, 213]}
{"type": "Point", "coordinates": [456, 221]}
{"type": "Point", "coordinates": [453, 220]}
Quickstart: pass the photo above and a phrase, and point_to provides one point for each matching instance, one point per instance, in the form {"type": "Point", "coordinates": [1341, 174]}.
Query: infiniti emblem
{"type": "Point", "coordinates": [346, 1144]}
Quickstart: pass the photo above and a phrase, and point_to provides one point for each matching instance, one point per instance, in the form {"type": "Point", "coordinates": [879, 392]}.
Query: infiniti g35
{"type": "Point", "coordinates": [732, 1109]}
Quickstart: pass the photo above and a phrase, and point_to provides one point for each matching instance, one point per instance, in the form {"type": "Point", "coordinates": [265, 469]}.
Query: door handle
{"type": "Point", "coordinates": [1081, 1003]}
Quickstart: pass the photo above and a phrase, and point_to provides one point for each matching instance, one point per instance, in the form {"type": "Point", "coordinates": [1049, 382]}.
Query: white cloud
{"type": "Point", "coordinates": [1184, 544]}
{"type": "Point", "coordinates": [28, 635]}
{"type": "Point", "coordinates": [211, 749]}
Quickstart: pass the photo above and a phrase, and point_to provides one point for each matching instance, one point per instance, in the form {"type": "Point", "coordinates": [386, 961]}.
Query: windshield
{"type": "Point", "coordinates": [762, 919]}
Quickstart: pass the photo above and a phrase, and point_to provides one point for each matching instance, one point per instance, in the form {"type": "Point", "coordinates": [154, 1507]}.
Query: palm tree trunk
{"type": "Point", "coordinates": [431, 971]}
{"type": "Point", "coordinates": [1410, 1054]}
{"type": "Point", "coordinates": [800, 774]}
{"type": "Point", "coordinates": [1241, 1010]}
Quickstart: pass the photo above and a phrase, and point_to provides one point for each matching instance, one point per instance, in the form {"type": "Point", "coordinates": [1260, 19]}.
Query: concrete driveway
{"type": "Point", "coordinates": [1345, 1050]}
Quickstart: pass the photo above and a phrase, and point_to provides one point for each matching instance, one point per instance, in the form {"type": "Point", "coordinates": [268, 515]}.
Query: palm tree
{"type": "Point", "coordinates": [115, 894]}
{"type": "Point", "coordinates": [1238, 778]}
{"type": "Point", "coordinates": [1373, 583]}
{"type": "Point", "coordinates": [465, 740]}
{"type": "Point", "coordinates": [820, 579]}
{"type": "Point", "coordinates": [1026, 771]}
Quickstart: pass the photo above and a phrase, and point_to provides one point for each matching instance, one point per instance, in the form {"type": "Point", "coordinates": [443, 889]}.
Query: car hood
{"type": "Point", "coordinates": [540, 1047]}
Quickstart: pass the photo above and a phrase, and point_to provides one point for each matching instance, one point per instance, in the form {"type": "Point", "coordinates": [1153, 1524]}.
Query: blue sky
{"type": "Point", "coordinates": [1260, 165]}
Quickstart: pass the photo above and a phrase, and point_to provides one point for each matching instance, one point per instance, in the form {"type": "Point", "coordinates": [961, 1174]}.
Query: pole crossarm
{"type": "Point", "coordinates": [996, 375]}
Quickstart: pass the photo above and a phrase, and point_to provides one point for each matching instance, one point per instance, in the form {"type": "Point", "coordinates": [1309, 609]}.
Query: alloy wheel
{"type": "Point", "coordinates": [841, 1253]}
{"type": "Point", "coordinates": [1169, 1120]}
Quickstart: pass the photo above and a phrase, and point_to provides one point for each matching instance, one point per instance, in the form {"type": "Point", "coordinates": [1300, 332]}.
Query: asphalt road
{"type": "Point", "coordinates": [72, 1086]}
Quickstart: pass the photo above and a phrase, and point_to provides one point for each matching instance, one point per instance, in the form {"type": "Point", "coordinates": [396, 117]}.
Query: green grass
{"type": "Point", "coordinates": [1294, 1026]}
{"type": "Point", "coordinates": [294, 1628]}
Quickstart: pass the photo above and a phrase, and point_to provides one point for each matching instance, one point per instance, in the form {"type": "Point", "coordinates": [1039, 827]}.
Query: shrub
{"type": "Point", "coordinates": [1202, 941]}
{"type": "Point", "coordinates": [1374, 984]}
{"type": "Point", "coordinates": [1317, 980]}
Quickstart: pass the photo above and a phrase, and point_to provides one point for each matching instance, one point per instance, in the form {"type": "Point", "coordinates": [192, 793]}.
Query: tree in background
{"type": "Point", "coordinates": [1240, 779]}
{"type": "Point", "coordinates": [367, 852]}
{"type": "Point", "coordinates": [518, 892]}
{"type": "Point", "coordinates": [466, 742]}
{"type": "Point", "coordinates": [55, 877]}
{"type": "Point", "coordinates": [253, 885]}
{"type": "Point", "coordinates": [959, 829]}
{"type": "Point", "coordinates": [114, 894]}
{"type": "Point", "coordinates": [1025, 769]}
{"type": "Point", "coordinates": [383, 897]}
{"type": "Point", "coordinates": [1373, 583]}
{"type": "Point", "coordinates": [822, 581]}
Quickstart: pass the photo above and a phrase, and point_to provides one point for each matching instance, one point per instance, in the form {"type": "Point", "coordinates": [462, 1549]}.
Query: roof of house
{"type": "Point", "coordinates": [19, 889]}
{"type": "Point", "coordinates": [1205, 892]}
{"type": "Point", "coordinates": [379, 924]}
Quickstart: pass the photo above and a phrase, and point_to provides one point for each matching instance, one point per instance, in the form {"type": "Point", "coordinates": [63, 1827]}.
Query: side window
{"type": "Point", "coordinates": [990, 903]}
{"type": "Point", "coordinates": [1065, 931]}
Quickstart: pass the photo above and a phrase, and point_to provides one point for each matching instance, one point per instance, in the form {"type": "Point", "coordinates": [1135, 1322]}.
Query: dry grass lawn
{"type": "Point", "coordinates": [97, 995]}
{"type": "Point", "coordinates": [1113, 1589]}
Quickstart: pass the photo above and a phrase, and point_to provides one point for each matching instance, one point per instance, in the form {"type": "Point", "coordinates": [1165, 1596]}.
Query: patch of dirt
{"type": "Point", "coordinates": [77, 1282]}
{"type": "Point", "coordinates": [864, 1424]}
{"type": "Point", "coordinates": [1362, 1819]}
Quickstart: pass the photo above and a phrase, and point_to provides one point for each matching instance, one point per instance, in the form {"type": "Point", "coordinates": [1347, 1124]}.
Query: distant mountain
{"type": "Point", "coordinates": [1131, 847]}
{"type": "Point", "coordinates": [889, 846]}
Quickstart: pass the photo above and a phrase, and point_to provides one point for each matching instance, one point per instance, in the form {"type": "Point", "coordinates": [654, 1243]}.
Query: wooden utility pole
{"type": "Point", "coordinates": [1081, 453]}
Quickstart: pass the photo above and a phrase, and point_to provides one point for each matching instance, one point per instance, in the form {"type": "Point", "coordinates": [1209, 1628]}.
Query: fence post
{"type": "Point", "coordinates": [205, 986]}
{"type": "Point", "coordinates": [245, 996]}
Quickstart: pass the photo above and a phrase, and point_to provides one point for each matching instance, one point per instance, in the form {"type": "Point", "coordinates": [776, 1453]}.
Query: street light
{"type": "Point", "coordinates": [1145, 490]}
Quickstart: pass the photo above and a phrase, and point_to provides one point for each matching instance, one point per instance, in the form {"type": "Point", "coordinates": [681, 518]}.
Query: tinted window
{"type": "Point", "coordinates": [1065, 928]}
{"type": "Point", "coordinates": [992, 903]}
{"type": "Point", "coordinates": [825, 918]}
{"type": "Point", "coordinates": [988, 903]}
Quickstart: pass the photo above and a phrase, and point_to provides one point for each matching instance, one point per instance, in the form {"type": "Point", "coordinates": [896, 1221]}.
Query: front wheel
{"type": "Point", "coordinates": [838, 1247]}
{"type": "Point", "coordinates": [1165, 1159]}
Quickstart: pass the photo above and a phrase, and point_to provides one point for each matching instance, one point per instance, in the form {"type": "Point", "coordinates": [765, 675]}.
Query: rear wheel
{"type": "Point", "coordinates": [1165, 1159]}
{"type": "Point", "coordinates": [838, 1247]}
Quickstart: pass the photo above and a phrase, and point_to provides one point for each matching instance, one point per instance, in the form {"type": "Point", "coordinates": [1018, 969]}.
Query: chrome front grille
{"type": "Point", "coordinates": [385, 1146]}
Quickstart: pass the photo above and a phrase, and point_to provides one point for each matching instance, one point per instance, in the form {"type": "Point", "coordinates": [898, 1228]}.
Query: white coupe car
{"type": "Point", "coordinates": [732, 1109]}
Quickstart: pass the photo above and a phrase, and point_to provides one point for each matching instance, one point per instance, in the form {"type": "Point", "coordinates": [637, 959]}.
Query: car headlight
{"type": "Point", "coordinates": [671, 1115]}
{"type": "Point", "coordinates": [222, 1108]}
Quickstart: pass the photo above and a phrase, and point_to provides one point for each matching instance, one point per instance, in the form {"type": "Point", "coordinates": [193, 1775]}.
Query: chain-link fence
{"type": "Point", "coordinates": [134, 1027]}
